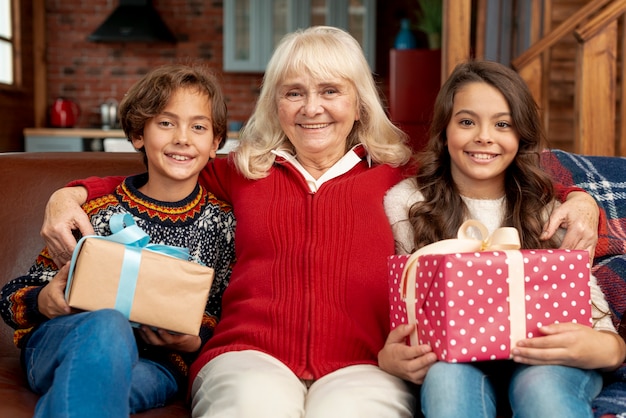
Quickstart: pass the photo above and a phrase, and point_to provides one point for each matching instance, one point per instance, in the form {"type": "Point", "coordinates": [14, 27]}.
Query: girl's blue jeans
{"type": "Point", "coordinates": [87, 365]}
{"type": "Point", "coordinates": [477, 389]}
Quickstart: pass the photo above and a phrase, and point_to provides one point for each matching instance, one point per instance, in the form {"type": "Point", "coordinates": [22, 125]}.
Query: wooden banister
{"type": "Point", "coordinates": [595, 26]}
{"type": "Point", "coordinates": [559, 32]}
{"type": "Point", "coordinates": [610, 14]}
{"type": "Point", "coordinates": [596, 97]}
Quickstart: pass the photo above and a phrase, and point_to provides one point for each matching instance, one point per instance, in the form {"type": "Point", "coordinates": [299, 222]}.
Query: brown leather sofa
{"type": "Point", "coordinates": [28, 179]}
{"type": "Point", "coordinates": [26, 182]}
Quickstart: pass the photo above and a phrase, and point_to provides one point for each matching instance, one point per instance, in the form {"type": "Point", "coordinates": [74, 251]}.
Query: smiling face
{"type": "Point", "coordinates": [481, 139]}
{"type": "Point", "coordinates": [178, 144]}
{"type": "Point", "coordinates": [317, 116]}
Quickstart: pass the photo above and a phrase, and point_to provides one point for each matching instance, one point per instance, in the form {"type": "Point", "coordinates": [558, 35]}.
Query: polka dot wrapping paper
{"type": "Point", "coordinates": [474, 306]}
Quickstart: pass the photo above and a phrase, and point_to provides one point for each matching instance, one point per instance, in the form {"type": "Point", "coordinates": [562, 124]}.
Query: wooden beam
{"type": "Point", "coordinates": [621, 147]}
{"type": "Point", "coordinates": [532, 75]}
{"type": "Point", "coordinates": [481, 24]}
{"type": "Point", "coordinates": [18, 67]}
{"type": "Point", "coordinates": [39, 63]}
{"type": "Point", "coordinates": [595, 99]}
{"type": "Point", "coordinates": [546, 59]}
{"type": "Point", "coordinates": [457, 22]}
{"type": "Point", "coordinates": [597, 104]}
{"type": "Point", "coordinates": [536, 29]}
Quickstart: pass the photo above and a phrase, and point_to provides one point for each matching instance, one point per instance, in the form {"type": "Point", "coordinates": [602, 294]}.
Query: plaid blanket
{"type": "Point", "coordinates": [612, 400]}
{"type": "Point", "coordinates": [604, 178]}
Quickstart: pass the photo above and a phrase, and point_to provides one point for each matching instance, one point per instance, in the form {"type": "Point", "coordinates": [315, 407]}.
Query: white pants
{"type": "Point", "coordinates": [251, 384]}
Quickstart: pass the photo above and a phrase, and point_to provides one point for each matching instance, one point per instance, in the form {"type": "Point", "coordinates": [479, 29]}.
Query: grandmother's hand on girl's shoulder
{"type": "Point", "coordinates": [580, 216]}
{"type": "Point", "coordinates": [410, 363]}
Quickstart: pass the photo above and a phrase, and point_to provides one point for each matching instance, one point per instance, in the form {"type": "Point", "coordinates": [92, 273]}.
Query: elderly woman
{"type": "Point", "coordinates": [306, 310]}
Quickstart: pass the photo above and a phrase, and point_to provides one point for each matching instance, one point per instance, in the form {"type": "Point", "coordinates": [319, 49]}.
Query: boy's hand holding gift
{"type": "Point", "coordinates": [51, 300]}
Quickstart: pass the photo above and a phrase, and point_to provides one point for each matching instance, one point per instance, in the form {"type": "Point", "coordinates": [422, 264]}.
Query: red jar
{"type": "Point", "coordinates": [64, 113]}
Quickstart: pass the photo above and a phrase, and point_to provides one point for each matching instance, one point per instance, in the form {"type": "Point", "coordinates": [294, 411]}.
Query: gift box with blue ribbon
{"type": "Point", "coordinates": [150, 284]}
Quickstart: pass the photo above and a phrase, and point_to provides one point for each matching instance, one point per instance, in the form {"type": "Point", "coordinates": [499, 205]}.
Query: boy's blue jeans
{"type": "Point", "coordinates": [466, 390]}
{"type": "Point", "coordinates": [87, 365]}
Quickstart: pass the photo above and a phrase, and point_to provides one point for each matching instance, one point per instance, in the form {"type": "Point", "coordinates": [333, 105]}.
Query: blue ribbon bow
{"type": "Point", "coordinates": [126, 232]}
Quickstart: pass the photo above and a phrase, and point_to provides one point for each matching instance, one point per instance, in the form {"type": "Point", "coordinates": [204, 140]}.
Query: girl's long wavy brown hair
{"type": "Point", "coordinates": [528, 189]}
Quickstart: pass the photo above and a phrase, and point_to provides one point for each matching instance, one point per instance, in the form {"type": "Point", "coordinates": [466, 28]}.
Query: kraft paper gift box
{"type": "Point", "coordinates": [474, 304]}
{"type": "Point", "coordinates": [122, 271]}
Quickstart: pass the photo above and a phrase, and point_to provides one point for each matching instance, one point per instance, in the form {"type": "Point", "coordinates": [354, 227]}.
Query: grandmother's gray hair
{"type": "Point", "coordinates": [324, 53]}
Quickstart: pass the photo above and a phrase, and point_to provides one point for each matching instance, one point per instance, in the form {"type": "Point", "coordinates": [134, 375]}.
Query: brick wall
{"type": "Point", "coordinates": [90, 73]}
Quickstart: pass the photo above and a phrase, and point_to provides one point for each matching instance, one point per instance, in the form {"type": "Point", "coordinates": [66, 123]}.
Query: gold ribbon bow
{"type": "Point", "coordinates": [505, 239]}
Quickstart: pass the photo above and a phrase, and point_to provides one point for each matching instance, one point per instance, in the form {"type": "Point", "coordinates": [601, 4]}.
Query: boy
{"type": "Point", "coordinates": [94, 363]}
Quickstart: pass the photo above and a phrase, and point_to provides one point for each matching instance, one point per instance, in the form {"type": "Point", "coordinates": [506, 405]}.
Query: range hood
{"type": "Point", "coordinates": [133, 21]}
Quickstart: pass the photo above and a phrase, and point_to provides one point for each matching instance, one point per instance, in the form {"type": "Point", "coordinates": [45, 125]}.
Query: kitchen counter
{"type": "Point", "coordinates": [86, 139]}
{"type": "Point", "coordinates": [67, 139]}
{"type": "Point", "coordinates": [75, 132]}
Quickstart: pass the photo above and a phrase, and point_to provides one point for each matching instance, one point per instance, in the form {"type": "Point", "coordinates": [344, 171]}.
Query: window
{"type": "Point", "coordinates": [7, 43]}
{"type": "Point", "coordinates": [252, 28]}
{"type": "Point", "coordinates": [509, 28]}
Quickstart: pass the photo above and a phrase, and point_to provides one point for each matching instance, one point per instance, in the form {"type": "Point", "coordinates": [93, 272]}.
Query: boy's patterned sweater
{"type": "Point", "coordinates": [200, 223]}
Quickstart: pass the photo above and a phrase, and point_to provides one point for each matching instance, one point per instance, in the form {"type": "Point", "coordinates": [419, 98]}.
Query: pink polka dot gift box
{"type": "Point", "coordinates": [472, 300]}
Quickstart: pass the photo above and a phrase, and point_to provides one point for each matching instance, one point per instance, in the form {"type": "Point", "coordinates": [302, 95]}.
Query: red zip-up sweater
{"type": "Point", "coordinates": [310, 283]}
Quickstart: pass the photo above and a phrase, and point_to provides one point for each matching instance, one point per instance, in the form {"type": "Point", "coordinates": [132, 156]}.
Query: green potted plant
{"type": "Point", "coordinates": [429, 17]}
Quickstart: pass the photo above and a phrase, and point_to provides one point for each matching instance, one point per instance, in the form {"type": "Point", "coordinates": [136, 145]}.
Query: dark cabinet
{"type": "Point", "coordinates": [414, 81]}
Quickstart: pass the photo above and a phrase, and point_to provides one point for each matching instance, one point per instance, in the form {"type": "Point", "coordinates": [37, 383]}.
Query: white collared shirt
{"type": "Point", "coordinates": [345, 164]}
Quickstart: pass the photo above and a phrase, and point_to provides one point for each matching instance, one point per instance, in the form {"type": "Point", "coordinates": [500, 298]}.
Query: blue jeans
{"type": "Point", "coordinates": [87, 365]}
{"type": "Point", "coordinates": [477, 389]}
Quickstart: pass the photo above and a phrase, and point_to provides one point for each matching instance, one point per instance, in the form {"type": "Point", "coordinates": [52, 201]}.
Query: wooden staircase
{"type": "Point", "coordinates": [599, 30]}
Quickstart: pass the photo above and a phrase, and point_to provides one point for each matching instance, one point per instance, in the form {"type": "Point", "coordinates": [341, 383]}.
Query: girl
{"type": "Point", "coordinates": [483, 162]}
